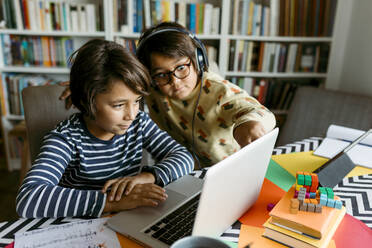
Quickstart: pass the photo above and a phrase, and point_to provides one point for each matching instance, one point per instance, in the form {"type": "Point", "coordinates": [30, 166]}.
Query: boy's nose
{"type": "Point", "coordinates": [130, 113]}
{"type": "Point", "coordinates": [174, 81]}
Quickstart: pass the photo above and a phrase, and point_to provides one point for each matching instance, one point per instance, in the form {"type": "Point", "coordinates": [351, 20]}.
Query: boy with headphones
{"type": "Point", "coordinates": [209, 115]}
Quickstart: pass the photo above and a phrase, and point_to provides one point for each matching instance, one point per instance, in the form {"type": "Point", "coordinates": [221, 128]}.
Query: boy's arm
{"type": "Point", "coordinates": [173, 160]}
{"type": "Point", "coordinates": [249, 118]}
{"type": "Point", "coordinates": [41, 195]}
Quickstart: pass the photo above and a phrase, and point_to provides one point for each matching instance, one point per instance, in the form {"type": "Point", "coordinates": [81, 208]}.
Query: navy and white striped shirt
{"type": "Point", "coordinates": [67, 177]}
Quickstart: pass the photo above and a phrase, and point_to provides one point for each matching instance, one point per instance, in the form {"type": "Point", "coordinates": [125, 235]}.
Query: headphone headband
{"type": "Point", "coordinates": [201, 54]}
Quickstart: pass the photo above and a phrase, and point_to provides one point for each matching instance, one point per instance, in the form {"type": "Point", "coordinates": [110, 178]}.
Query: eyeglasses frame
{"type": "Point", "coordinates": [172, 73]}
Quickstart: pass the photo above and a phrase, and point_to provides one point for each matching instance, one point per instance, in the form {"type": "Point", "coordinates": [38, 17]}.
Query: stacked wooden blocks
{"type": "Point", "coordinates": [309, 197]}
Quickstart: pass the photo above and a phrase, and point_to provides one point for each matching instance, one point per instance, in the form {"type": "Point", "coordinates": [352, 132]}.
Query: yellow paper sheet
{"type": "Point", "coordinates": [253, 236]}
{"type": "Point", "coordinates": [306, 161]}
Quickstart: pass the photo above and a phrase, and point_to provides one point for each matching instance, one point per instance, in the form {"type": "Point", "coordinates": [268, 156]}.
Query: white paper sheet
{"type": "Point", "coordinates": [339, 137]}
{"type": "Point", "coordinates": [87, 233]}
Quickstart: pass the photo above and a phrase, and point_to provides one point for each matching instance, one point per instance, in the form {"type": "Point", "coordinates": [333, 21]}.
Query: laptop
{"type": "Point", "coordinates": [202, 207]}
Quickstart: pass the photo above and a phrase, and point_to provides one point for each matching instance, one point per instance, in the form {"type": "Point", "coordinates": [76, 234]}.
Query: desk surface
{"type": "Point", "coordinates": [355, 192]}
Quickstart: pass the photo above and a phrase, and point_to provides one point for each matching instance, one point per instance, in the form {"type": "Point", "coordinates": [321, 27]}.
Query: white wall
{"type": "Point", "coordinates": [350, 67]}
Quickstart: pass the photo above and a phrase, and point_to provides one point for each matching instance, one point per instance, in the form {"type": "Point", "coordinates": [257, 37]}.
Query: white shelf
{"type": "Point", "coordinates": [127, 35]}
{"type": "Point", "coordinates": [137, 35]}
{"type": "Point", "coordinates": [52, 33]}
{"type": "Point", "coordinates": [15, 117]}
{"type": "Point", "coordinates": [280, 38]}
{"type": "Point", "coordinates": [35, 69]}
{"type": "Point", "coordinates": [277, 74]}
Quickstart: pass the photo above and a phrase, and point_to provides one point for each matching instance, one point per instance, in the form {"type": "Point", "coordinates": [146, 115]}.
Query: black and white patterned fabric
{"type": "Point", "coordinates": [355, 193]}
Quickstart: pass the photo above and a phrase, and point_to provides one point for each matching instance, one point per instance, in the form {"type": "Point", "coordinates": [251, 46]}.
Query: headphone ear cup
{"type": "Point", "coordinates": [198, 62]}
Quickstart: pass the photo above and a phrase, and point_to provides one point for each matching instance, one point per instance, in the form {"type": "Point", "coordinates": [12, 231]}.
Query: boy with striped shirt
{"type": "Point", "coordinates": [90, 163]}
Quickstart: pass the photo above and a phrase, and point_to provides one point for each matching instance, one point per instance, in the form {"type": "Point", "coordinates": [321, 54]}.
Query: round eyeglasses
{"type": "Point", "coordinates": [164, 78]}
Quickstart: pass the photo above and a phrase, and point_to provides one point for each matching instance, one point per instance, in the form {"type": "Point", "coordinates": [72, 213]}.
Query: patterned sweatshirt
{"type": "Point", "coordinates": [67, 177]}
{"type": "Point", "coordinates": [222, 107]}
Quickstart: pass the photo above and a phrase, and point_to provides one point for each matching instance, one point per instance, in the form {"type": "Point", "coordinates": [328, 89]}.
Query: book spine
{"type": "Point", "coordinates": [193, 17]}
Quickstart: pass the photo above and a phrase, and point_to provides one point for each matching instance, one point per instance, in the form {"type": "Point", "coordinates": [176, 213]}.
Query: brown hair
{"type": "Point", "coordinates": [96, 65]}
{"type": "Point", "coordinates": [170, 44]}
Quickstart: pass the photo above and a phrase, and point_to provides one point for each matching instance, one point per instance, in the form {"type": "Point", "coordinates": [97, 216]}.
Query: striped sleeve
{"type": "Point", "coordinates": [41, 196]}
{"type": "Point", "coordinates": [173, 160]}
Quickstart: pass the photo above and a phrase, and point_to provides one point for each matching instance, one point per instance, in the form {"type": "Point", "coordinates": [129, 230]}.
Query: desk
{"type": "Point", "coordinates": [7, 229]}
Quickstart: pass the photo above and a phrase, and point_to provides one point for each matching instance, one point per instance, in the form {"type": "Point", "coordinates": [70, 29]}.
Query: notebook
{"type": "Point", "coordinates": [210, 206]}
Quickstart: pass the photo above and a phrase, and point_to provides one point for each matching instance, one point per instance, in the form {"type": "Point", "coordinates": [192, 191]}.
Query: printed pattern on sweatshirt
{"type": "Point", "coordinates": [67, 177]}
{"type": "Point", "coordinates": [222, 107]}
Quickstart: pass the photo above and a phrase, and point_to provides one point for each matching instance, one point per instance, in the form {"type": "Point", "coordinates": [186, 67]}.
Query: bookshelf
{"type": "Point", "coordinates": [36, 38]}
{"type": "Point", "coordinates": [218, 27]}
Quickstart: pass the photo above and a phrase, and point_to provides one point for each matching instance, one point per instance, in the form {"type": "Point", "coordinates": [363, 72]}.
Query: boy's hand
{"type": "Point", "coordinates": [118, 185]}
{"type": "Point", "coordinates": [66, 94]}
{"type": "Point", "coordinates": [247, 132]}
{"type": "Point", "coordinates": [147, 194]}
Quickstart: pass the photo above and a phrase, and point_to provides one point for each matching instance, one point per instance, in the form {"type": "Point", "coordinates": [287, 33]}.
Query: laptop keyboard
{"type": "Point", "coordinates": [177, 224]}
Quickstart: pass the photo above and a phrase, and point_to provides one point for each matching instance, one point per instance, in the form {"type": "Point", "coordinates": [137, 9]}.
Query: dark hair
{"type": "Point", "coordinates": [170, 44]}
{"type": "Point", "coordinates": [96, 65]}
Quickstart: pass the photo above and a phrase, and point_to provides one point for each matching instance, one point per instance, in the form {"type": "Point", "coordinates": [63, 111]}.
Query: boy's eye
{"type": "Point", "coordinates": [181, 68]}
{"type": "Point", "coordinates": [118, 105]}
{"type": "Point", "coordinates": [161, 75]}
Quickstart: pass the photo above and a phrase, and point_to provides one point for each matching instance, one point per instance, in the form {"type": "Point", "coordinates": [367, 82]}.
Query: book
{"type": "Point", "coordinates": [91, 17]}
{"type": "Point", "coordinates": [3, 110]}
{"type": "Point", "coordinates": [307, 57]}
{"type": "Point", "coordinates": [192, 17]}
{"type": "Point", "coordinates": [310, 224]}
{"type": "Point", "coordinates": [294, 239]}
{"type": "Point", "coordinates": [255, 55]}
{"type": "Point", "coordinates": [244, 17]}
{"type": "Point", "coordinates": [282, 57]}
{"type": "Point", "coordinates": [249, 56]}
{"type": "Point", "coordinates": [182, 13]}
{"type": "Point", "coordinates": [215, 20]}
{"type": "Point", "coordinates": [338, 137]}
{"type": "Point", "coordinates": [235, 17]}
{"type": "Point", "coordinates": [290, 96]}
{"type": "Point", "coordinates": [274, 17]}
{"type": "Point", "coordinates": [323, 58]}
{"type": "Point", "coordinates": [232, 46]}
{"type": "Point", "coordinates": [257, 14]}
{"type": "Point", "coordinates": [291, 59]}
{"type": "Point", "coordinates": [250, 18]}
{"type": "Point", "coordinates": [283, 95]}
{"type": "Point", "coordinates": [207, 25]}
{"type": "Point", "coordinates": [263, 85]}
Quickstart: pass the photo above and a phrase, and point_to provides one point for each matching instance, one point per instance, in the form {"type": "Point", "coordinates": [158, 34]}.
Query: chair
{"type": "Point", "coordinates": [43, 111]}
{"type": "Point", "coordinates": [314, 109]}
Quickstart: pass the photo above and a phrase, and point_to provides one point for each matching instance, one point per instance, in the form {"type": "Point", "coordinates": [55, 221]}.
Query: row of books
{"type": "Point", "coordinates": [135, 15]}
{"type": "Point", "coordinates": [36, 50]}
{"type": "Point", "coordinates": [130, 44]}
{"type": "Point", "coordinates": [51, 15]}
{"type": "Point", "coordinates": [252, 17]}
{"type": "Point", "coordinates": [275, 94]}
{"type": "Point", "coordinates": [12, 86]}
{"type": "Point", "coordinates": [282, 17]}
{"type": "Point", "coordinates": [277, 57]}
{"type": "Point", "coordinates": [306, 17]}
